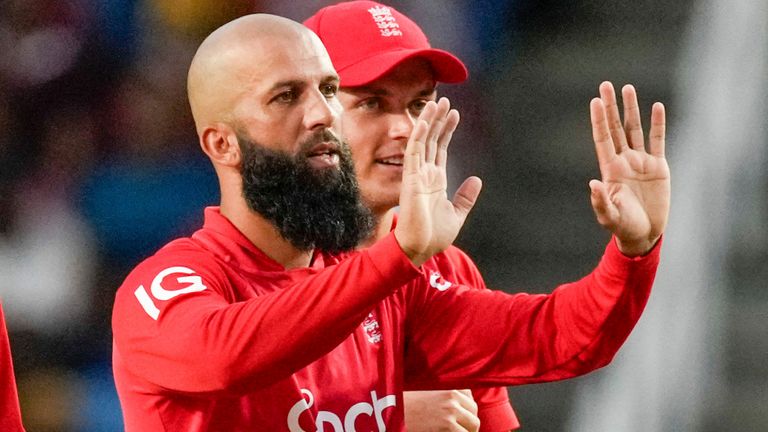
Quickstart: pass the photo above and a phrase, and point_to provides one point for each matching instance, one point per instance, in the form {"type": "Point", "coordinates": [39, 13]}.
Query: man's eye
{"type": "Point", "coordinates": [372, 103]}
{"type": "Point", "coordinates": [417, 106]}
{"type": "Point", "coordinates": [329, 90]}
{"type": "Point", "coordinates": [286, 97]}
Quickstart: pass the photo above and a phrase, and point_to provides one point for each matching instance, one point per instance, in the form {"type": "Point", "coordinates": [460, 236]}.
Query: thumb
{"type": "Point", "coordinates": [605, 211]}
{"type": "Point", "coordinates": [466, 196]}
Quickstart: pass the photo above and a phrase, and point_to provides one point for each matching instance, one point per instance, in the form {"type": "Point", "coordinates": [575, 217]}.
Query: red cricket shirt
{"type": "Point", "coordinates": [10, 414]}
{"type": "Point", "coordinates": [212, 335]}
{"type": "Point", "coordinates": [493, 406]}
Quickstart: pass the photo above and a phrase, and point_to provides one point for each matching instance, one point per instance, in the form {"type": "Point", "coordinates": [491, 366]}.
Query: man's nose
{"type": "Point", "coordinates": [321, 111]}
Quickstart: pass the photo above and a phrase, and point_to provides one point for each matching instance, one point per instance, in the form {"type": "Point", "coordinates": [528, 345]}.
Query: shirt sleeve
{"type": "Point", "coordinates": [493, 406]}
{"type": "Point", "coordinates": [494, 410]}
{"type": "Point", "coordinates": [468, 338]}
{"type": "Point", "coordinates": [10, 413]}
{"type": "Point", "coordinates": [194, 338]}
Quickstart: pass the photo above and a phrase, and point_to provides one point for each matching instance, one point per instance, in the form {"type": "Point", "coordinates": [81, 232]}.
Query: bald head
{"type": "Point", "coordinates": [229, 61]}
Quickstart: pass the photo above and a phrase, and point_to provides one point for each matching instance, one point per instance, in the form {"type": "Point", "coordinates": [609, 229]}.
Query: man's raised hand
{"type": "Point", "coordinates": [428, 221]}
{"type": "Point", "coordinates": [632, 198]}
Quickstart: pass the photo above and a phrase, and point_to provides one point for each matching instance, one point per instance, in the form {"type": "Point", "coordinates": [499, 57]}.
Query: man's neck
{"type": "Point", "coordinates": [264, 235]}
{"type": "Point", "coordinates": [383, 221]}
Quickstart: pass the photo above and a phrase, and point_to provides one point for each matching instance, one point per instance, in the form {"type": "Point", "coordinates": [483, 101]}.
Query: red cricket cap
{"type": "Point", "coordinates": [365, 40]}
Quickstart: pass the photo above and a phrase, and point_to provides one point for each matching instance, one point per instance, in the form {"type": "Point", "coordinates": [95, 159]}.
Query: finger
{"type": "Point", "coordinates": [428, 113]}
{"type": "Point", "coordinates": [658, 130]}
{"type": "Point", "coordinates": [438, 124]}
{"type": "Point", "coordinates": [451, 122]}
{"type": "Point", "coordinates": [632, 122]}
{"type": "Point", "coordinates": [466, 412]}
{"type": "Point", "coordinates": [466, 196]}
{"type": "Point", "coordinates": [600, 132]}
{"type": "Point", "coordinates": [426, 118]}
{"type": "Point", "coordinates": [465, 398]}
{"type": "Point", "coordinates": [606, 212]}
{"type": "Point", "coordinates": [467, 420]}
{"type": "Point", "coordinates": [414, 149]}
{"type": "Point", "coordinates": [608, 95]}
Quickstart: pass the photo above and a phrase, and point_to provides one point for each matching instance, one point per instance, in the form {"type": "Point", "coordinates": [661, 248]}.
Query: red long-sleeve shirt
{"type": "Point", "coordinates": [493, 406]}
{"type": "Point", "coordinates": [10, 414]}
{"type": "Point", "coordinates": [210, 334]}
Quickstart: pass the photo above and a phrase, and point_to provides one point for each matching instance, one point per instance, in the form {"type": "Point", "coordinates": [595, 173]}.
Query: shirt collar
{"type": "Point", "coordinates": [227, 242]}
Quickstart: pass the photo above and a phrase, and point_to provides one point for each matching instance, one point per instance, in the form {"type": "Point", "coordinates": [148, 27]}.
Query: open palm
{"type": "Point", "coordinates": [633, 196]}
{"type": "Point", "coordinates": [429, 222]}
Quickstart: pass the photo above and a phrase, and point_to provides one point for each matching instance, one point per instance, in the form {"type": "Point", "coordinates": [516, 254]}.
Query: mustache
{"type": "Point", "coordinates": [319, 137]}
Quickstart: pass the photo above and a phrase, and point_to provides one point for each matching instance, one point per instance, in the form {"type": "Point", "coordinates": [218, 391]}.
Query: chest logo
{"type": "Point", "coordinates": [195, 284]}
{"type": "Point", "coordinates": [372, 329]}
{"type": "Point", "coordinates": [329, 421]}
{"type": "Point", "coordinates": [437, 281]}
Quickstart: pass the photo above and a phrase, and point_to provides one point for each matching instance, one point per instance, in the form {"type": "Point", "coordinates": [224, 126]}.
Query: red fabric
{"type": "Point", "coordinates": [493, 407]}
{"type": "Point", "coordinates": [210, 358]}
{"type": "Point", "coordinates": [530, 337]}
{"type": "Point", "coordinates": [10, 413]}
{"type": "Point", "coordinates": [239, 344]}
{"type": "Point", "coordinates": [497, 416]}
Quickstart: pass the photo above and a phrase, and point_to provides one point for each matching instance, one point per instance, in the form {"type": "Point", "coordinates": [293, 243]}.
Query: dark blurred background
{"type": "Point", "coordinates": [99, 166]}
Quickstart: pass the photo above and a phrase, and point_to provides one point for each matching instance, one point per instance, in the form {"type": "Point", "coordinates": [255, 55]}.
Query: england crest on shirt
{"type": "Point", "coordinates": [437, 281]}
{"type": "Point", "coordinates": [372, 329]}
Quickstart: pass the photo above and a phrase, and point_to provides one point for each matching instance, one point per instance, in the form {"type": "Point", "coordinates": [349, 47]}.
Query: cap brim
{"type": "Point", "coordinates": [446, 67]}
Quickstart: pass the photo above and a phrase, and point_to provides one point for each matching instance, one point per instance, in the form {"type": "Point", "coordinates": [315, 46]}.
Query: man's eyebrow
{"type": "Point", "coordinates": [331, 78]}
{"type": "Point", "coordinates": [297, 83]}
{"type": "Point", "coordinates": [376, 91]}
{"type": "Point", "coordinates": [428, 91]}
{"type": "Point", "coordinates": [381, 91]}
{"type": "Point", "coordinates": [287, 83]}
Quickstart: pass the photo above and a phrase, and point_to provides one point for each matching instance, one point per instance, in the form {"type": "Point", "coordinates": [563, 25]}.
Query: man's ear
{"type": "Point", "coordinates": [220, 143]}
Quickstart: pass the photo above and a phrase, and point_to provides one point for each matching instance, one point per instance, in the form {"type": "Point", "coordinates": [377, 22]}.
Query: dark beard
{"type": "Point", "coordinates": [310, 207]}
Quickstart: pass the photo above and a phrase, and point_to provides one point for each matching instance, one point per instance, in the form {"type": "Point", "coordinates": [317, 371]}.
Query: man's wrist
{"type": "Point", "coordinates": [416, 257]}
{"type": "Point", "coordinates": [636, 248]}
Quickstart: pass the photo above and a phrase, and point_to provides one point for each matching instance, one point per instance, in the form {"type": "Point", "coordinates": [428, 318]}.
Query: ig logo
{"type": "Point", "coordinates": [160, 293]}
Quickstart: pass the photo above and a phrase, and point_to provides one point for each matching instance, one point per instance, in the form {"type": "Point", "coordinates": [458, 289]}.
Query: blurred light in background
{"type": "Point", "coordinates": [99, 166]}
